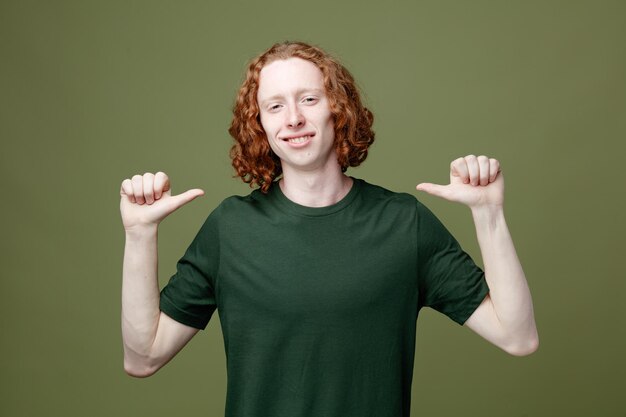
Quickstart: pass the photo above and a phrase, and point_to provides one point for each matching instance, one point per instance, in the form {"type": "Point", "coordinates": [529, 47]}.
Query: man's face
{"type": "Point", "coordinates": [295, 115]}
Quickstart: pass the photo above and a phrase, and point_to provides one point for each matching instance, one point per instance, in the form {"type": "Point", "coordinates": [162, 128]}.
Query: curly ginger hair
{"type": "Point", "coordinates": [253, 159]}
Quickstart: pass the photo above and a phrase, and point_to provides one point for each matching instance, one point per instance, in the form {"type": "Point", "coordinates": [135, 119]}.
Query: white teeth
{"type": "Point", "coordinates": [301, 139]}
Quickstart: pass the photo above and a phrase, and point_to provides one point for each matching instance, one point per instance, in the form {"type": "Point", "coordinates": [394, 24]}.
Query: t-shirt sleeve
{"type": "Point", "coordinates": [449, 280]}
{"type": "Point", "coordinates": [189, 296]}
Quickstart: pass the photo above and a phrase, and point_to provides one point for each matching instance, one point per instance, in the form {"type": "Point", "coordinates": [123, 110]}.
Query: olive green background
{"type": "Point", "coordinates": [94, 92]}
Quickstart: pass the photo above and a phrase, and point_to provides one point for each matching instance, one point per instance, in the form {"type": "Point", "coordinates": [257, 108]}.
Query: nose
{"type": "Point", "coordinates": [295, 119]}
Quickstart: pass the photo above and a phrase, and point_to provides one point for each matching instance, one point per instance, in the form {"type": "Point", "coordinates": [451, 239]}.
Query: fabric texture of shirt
{"type": "Point", "coordinates": [318, 306]}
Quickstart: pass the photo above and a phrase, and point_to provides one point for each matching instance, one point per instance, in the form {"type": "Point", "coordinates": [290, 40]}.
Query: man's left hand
{"type": "Point", "coordinates": [475, 181]}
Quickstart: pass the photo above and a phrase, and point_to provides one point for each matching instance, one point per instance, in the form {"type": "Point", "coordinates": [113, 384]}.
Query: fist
{"type": "Point", "coordinates": [147, 199]}
{"type": "Point", "coordinates": [474, 181]}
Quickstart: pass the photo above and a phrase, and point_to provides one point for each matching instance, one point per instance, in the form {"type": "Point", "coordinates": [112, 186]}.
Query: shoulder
{"type": "Point", "coordinates": [236, 206]}
{"type": "Point", "coordinates": [240, 201]}
{"type": "Point", "coordinates": [378, 195]}
{"type": "Point", "coordinates": [227, 214]}
{"type": "Point", "coordinates": [397, 203]}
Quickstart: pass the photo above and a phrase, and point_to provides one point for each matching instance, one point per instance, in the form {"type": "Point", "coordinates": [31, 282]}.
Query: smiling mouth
{"type": "Point", "coordinates": [300, 139]}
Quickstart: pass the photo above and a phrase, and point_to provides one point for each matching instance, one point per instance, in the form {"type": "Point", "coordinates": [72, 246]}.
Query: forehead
{"type": "Point", "coordinates": [287, 76]}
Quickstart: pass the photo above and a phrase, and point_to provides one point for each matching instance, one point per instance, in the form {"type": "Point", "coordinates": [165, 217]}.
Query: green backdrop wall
{"type": "Point", "coordinates": [93, 92]}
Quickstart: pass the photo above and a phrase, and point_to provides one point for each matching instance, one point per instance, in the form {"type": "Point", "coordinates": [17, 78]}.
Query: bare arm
{"type": "Point", "coordinates": [150, 338]}
{"type": "Point", "coordinates": [505, 317]}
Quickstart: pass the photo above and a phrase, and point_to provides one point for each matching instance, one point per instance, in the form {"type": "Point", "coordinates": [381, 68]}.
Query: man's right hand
{"type": "Point", "coordinates": [146, 200]}
{"type": "Point", "coordinates": [150, 337]}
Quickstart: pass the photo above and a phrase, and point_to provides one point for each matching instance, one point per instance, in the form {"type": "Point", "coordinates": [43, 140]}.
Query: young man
{"type": "Point", "coordinates": [318, 277]}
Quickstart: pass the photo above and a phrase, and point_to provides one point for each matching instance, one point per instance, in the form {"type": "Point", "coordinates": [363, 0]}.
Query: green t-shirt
{"type": "Point", "coordinates": [318, 306]}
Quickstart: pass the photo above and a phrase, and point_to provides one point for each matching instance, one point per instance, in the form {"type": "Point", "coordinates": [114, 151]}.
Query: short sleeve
{"type": "Point", "coordinates": [189, 296]}
{"type": "Point", "coordinates": [449, 281]}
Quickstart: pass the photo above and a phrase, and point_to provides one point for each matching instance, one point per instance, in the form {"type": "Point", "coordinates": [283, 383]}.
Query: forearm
{"type": "Point", "coordinates": [140, 294]}
{"type": "Point", "coordinates": [509, 292]}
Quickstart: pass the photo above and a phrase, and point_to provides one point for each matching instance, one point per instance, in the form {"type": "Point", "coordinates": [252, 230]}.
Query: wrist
{"type": "Point", "coordinates": [488, 215]}
{"type": "Point", "coordinates": [141, 232]}
{"type": "Point", "coordinates": [487, 209]}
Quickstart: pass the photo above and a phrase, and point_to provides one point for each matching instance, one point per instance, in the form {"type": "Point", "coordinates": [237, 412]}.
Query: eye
{"type": "Point", "coordinates": [310, 99]}
{"type": "Point", "coordinates": [274, 107]}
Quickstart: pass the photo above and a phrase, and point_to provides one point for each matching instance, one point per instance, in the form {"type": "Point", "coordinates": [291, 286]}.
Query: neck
{"type": "Point", "coordinates": [315, 189]}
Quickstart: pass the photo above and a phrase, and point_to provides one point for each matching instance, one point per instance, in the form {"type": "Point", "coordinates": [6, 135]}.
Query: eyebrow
{"type": "Point", "coordinates": [298, 92]}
